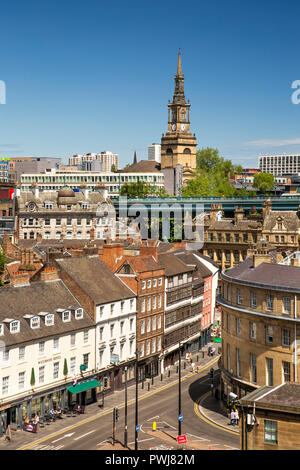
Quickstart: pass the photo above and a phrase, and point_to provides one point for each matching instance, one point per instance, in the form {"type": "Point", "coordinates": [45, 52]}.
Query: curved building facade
{"type": "Point", "coordinates": [260, 301]}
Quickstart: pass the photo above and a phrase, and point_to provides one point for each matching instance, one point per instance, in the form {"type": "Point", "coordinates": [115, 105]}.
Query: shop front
{"type": "Point", "coordinates": [83, 393]}
{"type": "Point", "coordinates": [148, 368]}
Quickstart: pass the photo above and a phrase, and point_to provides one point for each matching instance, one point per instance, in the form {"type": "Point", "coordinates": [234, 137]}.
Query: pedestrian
{"type": "Point", "coordinates": [236, 417]}
{"type": "Point", "coordinates": [213, 351]}
{"type": "Point", "coordinates": [232, 417]}
{"type": "Point", "coordinates": [209, 351]}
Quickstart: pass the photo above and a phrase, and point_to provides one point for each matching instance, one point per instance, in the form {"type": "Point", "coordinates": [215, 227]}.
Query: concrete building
{"type": "Point", "coordinates": [154, 152]}
{"type": "Point", "coordinates": [105, 161]}
{"type": "Point", "coordinates": [20, 165]}
{"type": "Point", "coordinates": [279, 165]}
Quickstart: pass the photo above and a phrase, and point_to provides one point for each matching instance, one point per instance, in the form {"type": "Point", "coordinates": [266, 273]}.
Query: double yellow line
{"type": "Point", "coordinates": [93, 418]}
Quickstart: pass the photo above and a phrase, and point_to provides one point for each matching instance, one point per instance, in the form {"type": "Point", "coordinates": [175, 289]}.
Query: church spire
{"type": "Point", "coordinates": [179, 74]}
{"type": "Point", "coordinates": [134, 158]}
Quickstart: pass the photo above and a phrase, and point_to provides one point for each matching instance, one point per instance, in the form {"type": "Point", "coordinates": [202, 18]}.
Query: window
{"type": "Point", "coordinates": [41, 374]}
{"type": "Point", "coordinates": [148, 325]}
{"type": "Point", "coordinates": [228, 292]}
{"type": "Point", "coordinates": [149, 283]}
{"type": "Point", "coordinates": [86, 360]}
{"type": "Point", "coordinates": [153, 345]}
{"type": "Point", "coordinates": [253, 367]}
{"type": "Point", "coordinates": [35, 322]}
{"type": "Point", "coordinates": [122, 306]}
{"type": "Point", "coordinates": [101, 329]}
{"type": "Point", "coordinates": [154, 282]}
{"type": "Point", "coordinates": [142, 350]}
{"type": "Point", "coordinates": [270, 431]}
{"type": "Point", "coordinates": [55, 370]}
{"type": "Point", "coordinates": [147, 348]}
{"type": "Point", "coordinates": [101, 311]}
{"type": "Point", "coordinates": [143, 305]}
{"type": "Point", "coordinates": [149, 304]}
{"type": "Point", "coordinates": [21, 353]}
{"type": "Point", "coordinates": [47, 221]}
{"type": "Point", "coordinates": [78, 313]}
{"type": "Point", "coordinates": [73, 340]}
{"type": "Point", "coordinates": [269, 365]}
{"type": "Point", "coordinates": [153, 323]}
{"type": "Point", "coordinates": [159, 322]}
{"type": "Point", "coordinates": [49, 319]}
{"type": "Point", "coordinates": [66, 316]}
{"type": "Point", "coordinates": [14, 326]}
{"type": "Point", "coordinates": [269, 334]}
{"type": "Point", "coordinates": [252, 330]}
{"type": "Point", "coordinates": [253, 301]}
{"type": "Point", "coordinates": [131, 324]}
{"type": "Point", "coordinates": [55, 345]}
{"type": "Point", "coordinates": [5, 385]}
{"type": "Point", "coordinates": [158, 344]}
{"type": "Point", "coordinates": [270, 302]}
{"type": "Point", "coordinates": [112, 331]}
{"type": "Point", "coordinates": [142, 327]}
{"type": "Point", "coordinates": [21, 380]}
{"type": "Point", "coordinates": [5, 356]}
{"type": "Point", "coordinates": [131, 304]}
{"type": "Point", "coordinates": [154, 302]}
{"type": "Point", "coordinates": [160, 281]}
{"type": "Point", "coordinates": [238, 362]}
{"type": "Point", "coordinates": [286, 370]}
{"type": "Point", "coordinates": [112, 308]}
{"type": "Point", "coordinates": [228, 357]}
{"type": "Point", "coordinates": [69, 220]}
{"type": "Point", "coordinates": [286, 305]}
{"type": "Point", "coordinates": [286, 337]}
{"type": "Point", "coordinates": [58, 222]}
{"type": "Point", "coordinates": [238, 296]}
{"type": "Point", "coordinates": [159, 301]}
{"type": "Point", "coordinates": [73, 365]}
{"type": "Point", "coordinates": [41, 347]}
{"type": "Point", "coordinates": [238, 326]}
{"type": "Point", "coordinates": [228, 322]}
{"type": "Point", "coordinates": [86, 337]}
{"type": "Point", "coordinates": [143, 285]}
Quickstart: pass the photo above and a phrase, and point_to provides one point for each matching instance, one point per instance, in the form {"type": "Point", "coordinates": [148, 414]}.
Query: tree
{"type": "Point", "coordinates": [32, 378]}
{"type": "Point", "coordinates": [113, 168]}
{"type": "Point", "coordinates": [65, 367]}
{"type": "Point", "coordinates": [141, 190]}
{"type": "Point", "coordinates": [264, 182]}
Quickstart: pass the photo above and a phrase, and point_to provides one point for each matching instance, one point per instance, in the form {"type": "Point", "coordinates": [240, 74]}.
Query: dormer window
{"type": "Point", "coordinates": [84, 205]}
{"type": "Point", "coordinates": [14, 327]}
{"type": "Point", "coordinates": [48, 205]}
{"type": "Point", "coordinates": [78, 313]}
{"type": "Point", "coordinates": [35, 322]}
{"type": "Point", "coordinates": [66, 316]}
{"type": "Point", "coordinates": [49, 319]}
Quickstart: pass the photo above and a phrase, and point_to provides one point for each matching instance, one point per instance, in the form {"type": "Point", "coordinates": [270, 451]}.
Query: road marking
{"type": "Point", "coordinates": [101, 414]}
{"type": "Point", "coordinates": [66, 435]}
{"type": "Point", "coordinates": [103, 442]}
{"type": "Point", "coordinates": [196, 410]}
{"type": "Point", "coordinates": [83, 435]}
{"type": "Point", "coordinates": [152, 418]}
{"type": "Point", "coordinates": [142, 440]}
{"type": "Point", "coordinates": [197, 438]}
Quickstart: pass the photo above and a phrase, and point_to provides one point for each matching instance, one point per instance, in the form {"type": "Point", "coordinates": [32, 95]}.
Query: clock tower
{"type": "Point", "coordinates": [178, 146]}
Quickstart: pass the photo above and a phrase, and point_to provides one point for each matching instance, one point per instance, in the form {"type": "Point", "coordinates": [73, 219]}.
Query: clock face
{"type": "Point", "coordinates": [183, 127]}
{"type": "Point", "coordinates": [174, 127]}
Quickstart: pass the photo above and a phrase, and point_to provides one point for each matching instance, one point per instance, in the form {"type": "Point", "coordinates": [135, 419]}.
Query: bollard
{"type": "Point", "coordinates": [176, 369]}
{"type": "Point", "coordinates": [143, 383]}
{"type": "Point", "coordinates": [202, 354]}
{"type": "Point", "coordinates": [169, 372]}
{"type": "Point", "coordinates": [184, 365]}
{"type": "Point", "coordinates": [148, 386]}
{"type": "Point", "coordinates": [197, 358]}
{"type": "Point", "coordinates": [152, 380]}
{"type": "Point", "coordinates": [161, 377]}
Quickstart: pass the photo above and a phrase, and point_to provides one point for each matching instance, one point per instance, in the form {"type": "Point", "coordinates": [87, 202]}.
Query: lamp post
{"type": "Point", "coordinates": [125, 426]}
{"type": "Point", "coordinates": [179, 392]}
{"type": "Point", "coordinates": [136, 401]}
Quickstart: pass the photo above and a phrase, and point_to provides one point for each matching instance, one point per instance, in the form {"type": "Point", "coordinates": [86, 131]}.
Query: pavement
{"type": "Point", "coordinates": [207, 407]}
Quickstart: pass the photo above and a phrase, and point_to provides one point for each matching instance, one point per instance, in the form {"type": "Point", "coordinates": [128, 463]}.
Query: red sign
{"type": "Point", "coordinates": [181, 439]}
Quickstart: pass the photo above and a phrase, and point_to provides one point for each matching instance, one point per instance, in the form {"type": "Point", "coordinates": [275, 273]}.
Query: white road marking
{"type": "Point", "coordinates": [152, 418]}
{"type": "Point", "coordinates": [66, 435]}
{"type": "Point", "coordinates": [142, 440]}
{"type": "Point", "coordinates": [103, 442]}
{"type": "Point", "coordinates": [83, 435]}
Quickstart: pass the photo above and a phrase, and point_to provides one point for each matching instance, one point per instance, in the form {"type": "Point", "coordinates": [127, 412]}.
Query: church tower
{"type": "Point", "coordinates": [178, 146]}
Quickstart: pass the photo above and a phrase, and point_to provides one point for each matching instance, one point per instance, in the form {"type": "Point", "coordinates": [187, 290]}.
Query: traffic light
{"type": "Point", "coordinates": [105, 380]}
{"type": "Point", "coordinates": [116, 414]}
{"type": "Point", "coordinates": [211, 373]}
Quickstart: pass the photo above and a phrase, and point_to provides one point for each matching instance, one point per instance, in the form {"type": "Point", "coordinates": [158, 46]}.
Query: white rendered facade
{"type": "Point", "coordinates": [154, 152]}
{"type": "Point", "coordinates": [107, 159]}
{"type": "Point", "coordinates": [279, 165]}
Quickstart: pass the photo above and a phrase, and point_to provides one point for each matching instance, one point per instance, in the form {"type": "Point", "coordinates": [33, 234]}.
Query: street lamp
{"type": "Point", "coordinates": [125, 426]}
{"type": "Point", "coordinates": [136, 401]}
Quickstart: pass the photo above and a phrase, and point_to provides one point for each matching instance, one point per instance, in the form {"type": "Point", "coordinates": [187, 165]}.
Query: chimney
{"type": "Point", "coordinates": [111, 253]}
{"type": "Point", "coordinates": [49, 274]}
{"type": "Point", "coordinates": [148, 249]}
{"type": "Point", "coordinates": [19, 279]}
{"type": "Point", "coordinates": [266, 208]}
{"type": "Point", "coordinates": [238, 214]}
{"type": "Point", "coordinates": [215, 209]}
{"type": "Point", "coordinates": [261, 254]}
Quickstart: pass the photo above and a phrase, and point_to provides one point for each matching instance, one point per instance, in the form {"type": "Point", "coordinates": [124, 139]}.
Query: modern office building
{"type": "Point", "coordinates": [106, 159]}
{"type": "Point", "coordinates": [154, 152]}
{"type": "Point", "coordinates": [279, 165]}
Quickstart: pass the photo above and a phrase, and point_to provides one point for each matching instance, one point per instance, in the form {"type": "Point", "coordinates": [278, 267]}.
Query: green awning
{"type": "Point", "coordinates": [84, 385]}
{"type": "Point", "coordinates": [217, 340]}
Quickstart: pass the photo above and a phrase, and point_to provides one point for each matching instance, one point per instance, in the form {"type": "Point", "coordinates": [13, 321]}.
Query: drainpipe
{"type": "Point", "coordinates": [295, 348]}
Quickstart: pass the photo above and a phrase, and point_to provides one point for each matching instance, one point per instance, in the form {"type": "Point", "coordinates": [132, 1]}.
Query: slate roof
{"type": "Point", "coordinates": [286, 395]}
{"type": "Point", "coordinates": [143, 166]}
{"type": "Point", "coordinates": [15, 302]}
{"type": "Point", "coordinates": [173, 264]}
{"type": "Point", "coordinates": [95, 279]}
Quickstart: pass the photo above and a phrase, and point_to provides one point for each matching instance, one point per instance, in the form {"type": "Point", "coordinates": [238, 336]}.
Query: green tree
{"type": "Point", "coordinates": [32, 378]}
{"type": "Point", "coordinates": [264, 182]}
{"type": "Point", "coordinates": [113, 168]}
{"type": "Point", "coordinates": [65, 367]}
{"type": "Point", "coordinates": [141, 190]}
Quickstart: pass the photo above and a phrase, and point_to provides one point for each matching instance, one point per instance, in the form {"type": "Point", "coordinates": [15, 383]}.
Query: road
{"type": "Point", "coordinates": [160, 406]}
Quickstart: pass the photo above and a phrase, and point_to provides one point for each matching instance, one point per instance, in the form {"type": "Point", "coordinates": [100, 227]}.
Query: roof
{"type": "Point", "coordinates": [173, 264]}
{"type": "Point", "coordinates": [95, 279]}
{"type": "Point", "coordinates": [290, 220]}
{"type": "Point", "coordinates": [15, 302]}
{"type": "Point", "coordinates": [285, 395]}
{"type": "Point", "coordinates": [143, 166]}
{"type": "Point", "coordinates": [143, 264]}
{"type": "Point", "coordinates": [266, 274]}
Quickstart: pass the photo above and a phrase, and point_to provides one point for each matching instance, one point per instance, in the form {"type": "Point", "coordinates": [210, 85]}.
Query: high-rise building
{"type": "Point", "coordinates": [154, 152]}
{"type": "Point", "coordinates": [107, 160]}
{"type": "Point", "coordinates": [178, 146]}
{"type": "Point", "coordinates": [279, 165]}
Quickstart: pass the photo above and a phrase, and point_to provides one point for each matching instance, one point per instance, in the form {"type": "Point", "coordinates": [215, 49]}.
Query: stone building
{"type": "Point", "coordinates": [62, 214]}
{"type": "Point", "coordinates": [270, 418]}
{"type": "Point", "coordinates": [280, 228]}
{"type": "Point", "coordinates": [260, 302]}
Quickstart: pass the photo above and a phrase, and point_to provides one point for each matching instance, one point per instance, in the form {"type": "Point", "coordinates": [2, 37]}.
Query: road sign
{"type": "Point", "coordinates": [181, 439]}
{"type": "Point", "coordinates": [137, 427]}
{"type": "Point", "coordinates": [180, 417]}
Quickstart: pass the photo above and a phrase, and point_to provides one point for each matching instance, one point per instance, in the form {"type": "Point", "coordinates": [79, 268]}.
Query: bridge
{"type": "Point", "coordinates": [228, 204]}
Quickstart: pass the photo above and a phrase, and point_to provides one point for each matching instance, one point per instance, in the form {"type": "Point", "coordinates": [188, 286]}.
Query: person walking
{"type": "Point", "coordinates": [236, 417]}
{"type": "Point", "coordinates": [232, 417]}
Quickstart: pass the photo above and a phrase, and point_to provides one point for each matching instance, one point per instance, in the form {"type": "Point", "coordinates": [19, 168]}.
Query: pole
{"type": "Point", "coordinates": [114, 427]}
{"type": "Point", "coordinates": [136, 401]}
{"type": "Point", "coordinates": [179, 392]}
{"type": "Point", "coordinates": [125, 427]}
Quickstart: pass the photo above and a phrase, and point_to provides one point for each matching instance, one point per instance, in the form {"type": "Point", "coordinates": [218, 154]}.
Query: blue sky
{"type": "Point", "coordinates": [91, 76]}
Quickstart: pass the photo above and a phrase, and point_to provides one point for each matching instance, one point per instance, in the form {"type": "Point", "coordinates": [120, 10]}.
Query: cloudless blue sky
{"type": "Point", "coordinates": [91, 76]}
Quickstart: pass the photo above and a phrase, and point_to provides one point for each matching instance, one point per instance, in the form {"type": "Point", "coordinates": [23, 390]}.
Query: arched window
{"type": "Point", "coordinates": [47, 235]}
{"type": "Point", "coordinates": [31, 235]}
{"type": "Point", "coordinates": [69, 235]}
{"type": "Point", "coordinates": [183, 115]}
{"type": "Point", "coordinates": [79, 235]}
{"type": "Point", "coordinates": [187, 151]}
{"type": "Point", "coordinates": [58, 235]}
{"type": "Point", "coordinates": [88, 235]}
{"type": "Point", "coordinates": [169, 151]}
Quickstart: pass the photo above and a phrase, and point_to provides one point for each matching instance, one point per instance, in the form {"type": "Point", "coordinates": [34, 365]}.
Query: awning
{"type": "Point", "coordinates": [84, 385]}
{"type": "Point", "coordinates": [217, 340]}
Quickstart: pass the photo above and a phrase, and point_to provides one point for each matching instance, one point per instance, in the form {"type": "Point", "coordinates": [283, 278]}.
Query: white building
{"type": "Point", "coordinates": [107, 159]}
{"type": "Point", "coordinates": [154, 152]}
{"type": "Point", "coordinates": [279, 165]}
{"type": "Point", "coordinates": [46, 337]}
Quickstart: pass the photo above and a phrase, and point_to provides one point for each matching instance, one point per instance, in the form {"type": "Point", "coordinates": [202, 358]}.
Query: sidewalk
{"type": "Point", "coordinates": [210, 408]}
{"type": "Point", "coordinates": [22, 438]}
